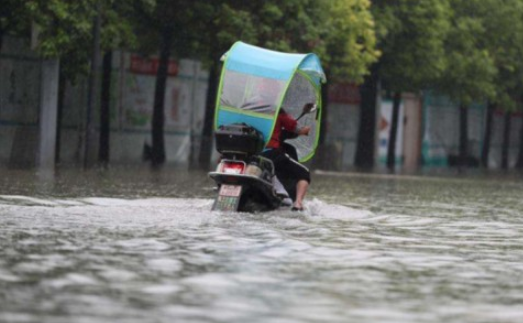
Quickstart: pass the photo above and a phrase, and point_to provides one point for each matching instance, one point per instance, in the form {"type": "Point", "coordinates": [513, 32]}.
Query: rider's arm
{"type": "Point", "coordinates": [291, 125]}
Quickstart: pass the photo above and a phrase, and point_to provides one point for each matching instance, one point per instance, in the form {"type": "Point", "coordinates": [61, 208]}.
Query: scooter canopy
{"type": "Point", "coordinates": [256, 83]}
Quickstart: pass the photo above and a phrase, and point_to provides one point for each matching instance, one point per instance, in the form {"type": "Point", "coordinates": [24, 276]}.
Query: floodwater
{"type": "Point", "coordinates": [130, 245]}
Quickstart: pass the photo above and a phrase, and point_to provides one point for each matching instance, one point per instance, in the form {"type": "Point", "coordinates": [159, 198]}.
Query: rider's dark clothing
{"type": "Point", "coordinates": [284, 165]}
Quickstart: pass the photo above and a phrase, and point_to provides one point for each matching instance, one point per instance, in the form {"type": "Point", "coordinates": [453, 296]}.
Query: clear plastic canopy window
{"type": "Point", "coordinates": [251, 93]}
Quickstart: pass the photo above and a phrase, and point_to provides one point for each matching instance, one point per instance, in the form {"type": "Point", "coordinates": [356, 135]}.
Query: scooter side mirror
{"type": "Point", "coordinates": [308, 108]}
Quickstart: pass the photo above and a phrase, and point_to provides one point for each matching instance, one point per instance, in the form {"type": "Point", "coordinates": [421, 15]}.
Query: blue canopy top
{"type": "Point", "coordinates": [263, 62]}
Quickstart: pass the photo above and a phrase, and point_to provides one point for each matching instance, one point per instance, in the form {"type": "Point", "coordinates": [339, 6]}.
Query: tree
{"type": "Point", "coordinates": [117, 25]}
{"type": "Point", "coordinates": [350, 48]}
{"type": "Point", "coordinates": [171, 28]}
{"type": "Point", "coordinates": [504, 38]}
{"type": "Point", "coordinates": [65, 30]}
{"type": "Point", "coordinates": [343, 27]}
{"type": "Point", "coordinates": [506, 140]}
{"type": "Point", "coordinates": [519, 161]}
{"type": "Point", "coordinates": [470, 70]}
{"type": "Point", "coordinates": [105, 102]}
{"type": "Point", "coordinates": [485, 149]}
{"type": "Point", "coordinates": [14, 19]}
{"type": "Point", "coordinates": [412, 37]}
{"type": "Point", "coordinates": [232, 22]}
{"type": "Point", "coordinates": [348, 34]}
{"type": "Point", "coordinates": [365, 145]}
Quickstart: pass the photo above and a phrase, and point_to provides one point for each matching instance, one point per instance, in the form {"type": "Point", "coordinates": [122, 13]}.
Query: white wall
{"type": "Point", "coordinates": [132, 95]}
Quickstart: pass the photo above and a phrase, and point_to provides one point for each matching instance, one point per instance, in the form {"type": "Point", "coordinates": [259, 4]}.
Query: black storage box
{"type": "Point", "coordinates": [238, 138]}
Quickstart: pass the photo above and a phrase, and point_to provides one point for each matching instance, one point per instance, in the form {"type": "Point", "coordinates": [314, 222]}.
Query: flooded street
{"type": "Point", "coordinates": [129, 245]}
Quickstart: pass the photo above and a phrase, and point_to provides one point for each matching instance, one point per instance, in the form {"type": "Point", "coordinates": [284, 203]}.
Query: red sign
{"type": "Point", "coordinates": [149, 66]}
{"type": "Point", "coordinates": [344, 93]}
{"type": "Point", "coordinates": [501, 112]}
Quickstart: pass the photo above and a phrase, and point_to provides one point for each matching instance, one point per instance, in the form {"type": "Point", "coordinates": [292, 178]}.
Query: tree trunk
{"type": "Point", "coordinates": [463, 136]}
{"type": "Point", "coordinates": [204, 159]}
{"type": "Point", "coordinates": [59, 116]}
{"type": "Point", "coordinates": [95, 63]}
{"type": "Point", "coordinates": [324, 113]}
{"type": "Point", "coordinates": [391, 151]}
{"type": "Point", "coordinates": [105, 105]}
{"type": "Point", "coordinates": [323, 159]}
{"type": "Point", "coordinates": [488, 134]}
{"type": "Point", "coordinates": [519, 163]}
{"type": "Point", "coordinates": [3, 31]}
{"type": "Point", "coordinates": [158, 142]}
{"type": "Point", "coordinates": [506, 141]}
{"type": "Point", "coordinates": [365, 149]}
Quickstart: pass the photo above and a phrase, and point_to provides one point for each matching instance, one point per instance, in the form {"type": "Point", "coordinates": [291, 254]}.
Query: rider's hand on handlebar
{"type": "Point", "coordinates": [304, 131]}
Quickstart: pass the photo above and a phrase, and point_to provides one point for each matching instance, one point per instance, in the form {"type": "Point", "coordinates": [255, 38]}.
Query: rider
{"type": "Point", "coordinates": [283, 163]}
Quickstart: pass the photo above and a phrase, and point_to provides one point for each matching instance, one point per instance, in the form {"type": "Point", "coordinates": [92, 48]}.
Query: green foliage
{"type": "Point", "coordinates": [503, 23]}
{"type": "Point", "coordinates": [233, 25]}
{"type": "Point", "coordinates": [341, 32]}
{"type": "Point", "coordinates": [62, 25]}
{"type": "Point", "coordinates": [471, 68]}
{"type": "Point", "coordinates": [13, 18]}
{"type": "Point", "coordinates": [187, 19]}
{"type": "Point", "coordinates": [411, 37]}
{"type": "Point", "coordinates": [347, 32]}
{"type": "Point", "coordinates": [288, 26]}
{"type": "Point", "coordinates": [470, 50]}
{"type": "Point", "coordinates": [65, 29]}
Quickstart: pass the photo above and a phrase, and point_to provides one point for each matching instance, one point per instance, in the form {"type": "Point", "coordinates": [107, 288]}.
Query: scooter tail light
{"type": "Point", "coordinates": [232, 167]}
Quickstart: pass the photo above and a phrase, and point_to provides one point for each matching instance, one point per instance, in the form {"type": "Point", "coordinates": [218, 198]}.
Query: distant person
{"type": "Point", "coordinates": [285, 165]}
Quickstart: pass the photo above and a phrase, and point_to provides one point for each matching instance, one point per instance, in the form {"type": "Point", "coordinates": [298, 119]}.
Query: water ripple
{"type": "Point", "coordinates": [94, 259]}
